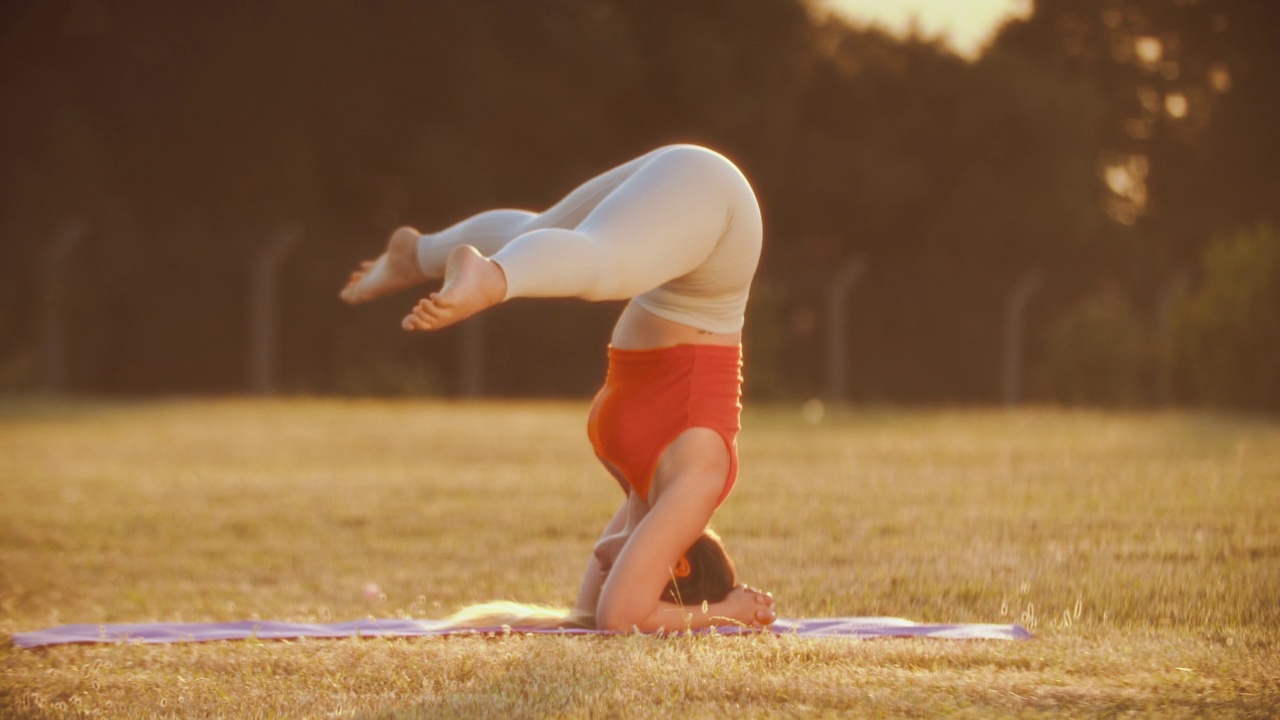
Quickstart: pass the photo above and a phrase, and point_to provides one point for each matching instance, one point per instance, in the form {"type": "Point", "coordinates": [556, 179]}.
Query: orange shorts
{"type": "Point", "coordinates": [651, 396]}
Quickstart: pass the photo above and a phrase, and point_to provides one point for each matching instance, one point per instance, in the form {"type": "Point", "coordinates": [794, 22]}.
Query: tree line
{"type": "Point", "coordinates": [1115, 151]}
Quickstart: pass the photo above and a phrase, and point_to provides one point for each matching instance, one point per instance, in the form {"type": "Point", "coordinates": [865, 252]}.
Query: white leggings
{"type": "Point", "coordinates": [677, 230]}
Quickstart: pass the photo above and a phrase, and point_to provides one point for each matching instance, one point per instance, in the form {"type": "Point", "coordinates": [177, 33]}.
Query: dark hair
{"type": "Point", "coordinates": [711, 573]}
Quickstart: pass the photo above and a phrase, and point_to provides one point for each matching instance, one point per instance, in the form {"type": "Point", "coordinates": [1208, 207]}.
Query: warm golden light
{"type": "Point", "coordinates": [966, 25]}
{"type": "Point", "coordinates": [1126, 177]}
{"type": "Point", "coordinates": [1119, 179]}
{"type": "Point", "coordinates": [1176, 105]}
{"type": "Point", "coordinates": [1220, 77]}
{"type": "Point", "coordinates": [1149, 50]}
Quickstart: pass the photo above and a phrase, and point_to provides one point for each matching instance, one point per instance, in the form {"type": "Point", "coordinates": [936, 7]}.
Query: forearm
{"type": "Point", "coordinates": [589, 591]}
{"type": "Point", "coordinates": [594, 577]}
{"type": "Point", "coordinates": [674, 618]}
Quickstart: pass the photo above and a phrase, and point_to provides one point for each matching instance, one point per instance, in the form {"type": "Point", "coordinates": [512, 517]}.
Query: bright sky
{"type": "Point", "coordinates": [965, 24]}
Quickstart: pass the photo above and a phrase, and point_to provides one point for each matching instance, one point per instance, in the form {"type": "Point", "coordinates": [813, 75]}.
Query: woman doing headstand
{"type": "Point", "coordinates": [678, 233]}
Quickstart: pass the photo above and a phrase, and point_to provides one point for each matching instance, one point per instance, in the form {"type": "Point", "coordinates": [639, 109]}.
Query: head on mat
{"type": "Point", "coordinates": [704, 574]}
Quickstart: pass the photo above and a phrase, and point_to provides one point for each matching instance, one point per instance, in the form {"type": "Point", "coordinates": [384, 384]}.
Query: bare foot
{"type": "Point", "coordinates": [395, 270]}
{"type": "Point", "coordinates": [472, 282]}
{"type": "Point", "coordinates": [748, 606]}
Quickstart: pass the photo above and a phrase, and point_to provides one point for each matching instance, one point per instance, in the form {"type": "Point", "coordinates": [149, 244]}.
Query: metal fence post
{"type": "Point", "coordinates": [54, 323]}
{"type": "Point", "coordinates": [1171, 292]}
{"type": "Point", "coordinates": [837, 292]}
{"type": "Point", "coordinates": [264, 308]}
{"type": "Point", "coordinates": [1015, 316]}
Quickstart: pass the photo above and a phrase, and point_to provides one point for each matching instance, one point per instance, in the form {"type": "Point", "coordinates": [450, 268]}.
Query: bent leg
{"type": "Point", "coordinates": [661, 222]}
{"type": "Point", "coordinates": [413, 258]}
{"type": "Point", "coordinates": [491, 231]}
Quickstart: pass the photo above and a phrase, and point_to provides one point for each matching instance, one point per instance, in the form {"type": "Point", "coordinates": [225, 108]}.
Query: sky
{"type": "Point", "coordinates": [966, 25]}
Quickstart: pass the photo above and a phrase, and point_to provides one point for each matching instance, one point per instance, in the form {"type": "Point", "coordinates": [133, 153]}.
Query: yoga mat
{"type": "Point", "coordinates": [848, 627]}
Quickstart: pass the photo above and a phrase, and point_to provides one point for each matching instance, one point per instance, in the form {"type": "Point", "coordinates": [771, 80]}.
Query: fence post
{"type": "Point", "coordinates": [1015, 316]}
{"type": "Point", "coordinates": [264, 307]}
{"type": "Point", "coordinates": [1167, 299]}
{"type": "Point", "coordinates": [54, 323]}
{"type": "Point", "coordinates": [837, 292]}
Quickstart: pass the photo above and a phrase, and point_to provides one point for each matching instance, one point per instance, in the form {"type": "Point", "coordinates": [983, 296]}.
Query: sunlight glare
{"type": "Point", "coordinates": [966, 25]}
{"type": "Point", "coordinates": [1220, 77]}
{"type": "Point", "coordinates": [1149, 51]}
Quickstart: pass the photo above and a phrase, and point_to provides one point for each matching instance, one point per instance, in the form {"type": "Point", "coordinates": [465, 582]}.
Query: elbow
{"type": "Point", "coordinates": [620, 611]}
{"type": "Point", "coordinates": [615, 618]}
{"type": "Point", "coordinates": [613, 621]}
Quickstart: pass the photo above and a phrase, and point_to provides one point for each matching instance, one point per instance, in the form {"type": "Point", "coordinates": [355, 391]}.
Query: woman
{"type": "Point", "coordinates": [678, 233]}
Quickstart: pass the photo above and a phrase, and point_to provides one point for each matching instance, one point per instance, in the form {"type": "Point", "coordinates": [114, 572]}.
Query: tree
{"type": "Point", "coordinates": [1229, 330]}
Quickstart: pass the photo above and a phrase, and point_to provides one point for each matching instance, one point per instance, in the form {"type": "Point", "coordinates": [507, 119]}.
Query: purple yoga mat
{"type": "Point", "coordinates": [851, 627]}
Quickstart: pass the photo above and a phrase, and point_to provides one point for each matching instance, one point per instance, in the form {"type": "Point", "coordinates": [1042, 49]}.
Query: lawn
{"type": "Point", "coordinates": [1142, 549]}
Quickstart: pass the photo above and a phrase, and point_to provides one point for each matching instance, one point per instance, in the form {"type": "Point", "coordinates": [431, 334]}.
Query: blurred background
{"type": "Point", "coordinates": [1065, 201]}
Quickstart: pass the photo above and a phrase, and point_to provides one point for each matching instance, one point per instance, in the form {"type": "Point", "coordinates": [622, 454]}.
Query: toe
{"type": "Point", "coordinates": [418, 319]}
{"type": "Point", "coordinates": [429, 311]}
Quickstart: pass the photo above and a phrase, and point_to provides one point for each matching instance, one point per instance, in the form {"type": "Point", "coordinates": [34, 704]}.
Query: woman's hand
{"type": "Point", "coordinates": [748, 606]}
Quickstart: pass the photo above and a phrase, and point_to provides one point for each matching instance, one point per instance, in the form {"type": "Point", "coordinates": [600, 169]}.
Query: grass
{"type": "Point", "coordinates": [1143, 549]}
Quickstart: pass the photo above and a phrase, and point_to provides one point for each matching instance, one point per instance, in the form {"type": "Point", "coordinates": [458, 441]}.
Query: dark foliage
{"type": "Point", "coordinates": [182, 138]}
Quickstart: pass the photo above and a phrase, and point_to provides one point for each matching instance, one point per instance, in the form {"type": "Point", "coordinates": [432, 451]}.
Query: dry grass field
{"type": "Point", "coordinates": [1142, 549]}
